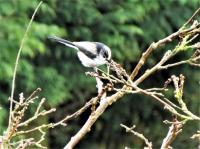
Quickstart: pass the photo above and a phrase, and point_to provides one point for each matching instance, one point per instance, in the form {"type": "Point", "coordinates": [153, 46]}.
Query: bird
{"type": "Point", "coordinates": [91, 54]}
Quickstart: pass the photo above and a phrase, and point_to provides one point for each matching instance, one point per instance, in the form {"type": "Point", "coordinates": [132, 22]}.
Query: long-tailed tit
{"type": "Point", "coordinates": [91, 54]}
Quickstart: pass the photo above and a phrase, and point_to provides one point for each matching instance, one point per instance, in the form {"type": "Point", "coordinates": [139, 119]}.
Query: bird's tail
{"type": "Point", "coordinates": [63, 41]}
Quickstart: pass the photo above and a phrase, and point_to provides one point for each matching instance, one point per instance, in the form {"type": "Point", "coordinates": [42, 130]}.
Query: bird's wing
{"type": "Point", "coordinates": [87, 47]}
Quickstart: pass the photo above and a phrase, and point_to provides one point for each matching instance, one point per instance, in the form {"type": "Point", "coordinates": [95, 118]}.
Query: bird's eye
{"type": "Point", "coordinates": [105, 54]}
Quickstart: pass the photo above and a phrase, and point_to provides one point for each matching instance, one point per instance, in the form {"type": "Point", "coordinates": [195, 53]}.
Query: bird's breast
{"type": "Point", "coordinates": [88, 62]}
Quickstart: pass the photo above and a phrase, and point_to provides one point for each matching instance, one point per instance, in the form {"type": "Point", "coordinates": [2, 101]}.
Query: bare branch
{"type": "Point", "coordinates": [128, 85]}
{"type": "Point", "coordinates": [77, 113]}
{"type": "Point", "coordinates": [174, 130]}
{"type": "Point", "coordinates": [139, 135]}
{"type": "Point", "coordinates": [104, 103]}
{"type": "Point", "coordinates": [17, 61]}
{"type": "Point", "coordinates": [156, 45]}
{"type": "Point", "coordinates": [196, 135]}
{"type": "Point", "coordinates": [191, 19]}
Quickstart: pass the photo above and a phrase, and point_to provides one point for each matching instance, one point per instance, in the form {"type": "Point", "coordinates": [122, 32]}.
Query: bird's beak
{"type": "Point", "coordinates": [108, 61]}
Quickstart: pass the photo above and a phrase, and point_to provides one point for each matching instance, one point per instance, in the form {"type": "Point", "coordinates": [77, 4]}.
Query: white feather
{"type": "Point", "coordinates": [87, 62]}
{"type": "Point", "coordinates": [90, 46]}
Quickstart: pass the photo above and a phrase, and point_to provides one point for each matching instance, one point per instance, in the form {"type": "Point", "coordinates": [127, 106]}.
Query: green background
{"type": "Point", "coordinates": [127, 27]}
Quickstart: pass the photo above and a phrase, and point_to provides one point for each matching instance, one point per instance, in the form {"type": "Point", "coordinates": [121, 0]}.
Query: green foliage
{"type": "Point", "coordinates": [128, 27]}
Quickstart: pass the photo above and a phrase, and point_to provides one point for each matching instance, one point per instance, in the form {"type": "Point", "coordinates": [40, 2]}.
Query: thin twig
{"type": "Point", "coordinates": [156, 45]}
{"type": "Point", "coordinates": [25, 123]}
{"type": "Point", "coordinates": [17, 61]}
{"type": "Point", "coordinates": [39, 106]}
{"type": "Point", "coordinates": [174, 130]}
{"type": "Point", "coordinates": [174, 64]}
{"type": "Point", "coordinates": [139, 135]}
{"type": "Point", "coordinates": [77, 113]}
{"type": "Point", "coordinates": [197, 12]}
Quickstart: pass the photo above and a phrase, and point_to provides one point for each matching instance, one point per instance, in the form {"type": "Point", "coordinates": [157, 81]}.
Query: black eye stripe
{"type": "Point", "coordinates": [105, 54]}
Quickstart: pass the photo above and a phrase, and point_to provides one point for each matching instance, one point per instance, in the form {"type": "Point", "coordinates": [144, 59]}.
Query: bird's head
{"type": "Point", "coordinates": [105, 53]}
